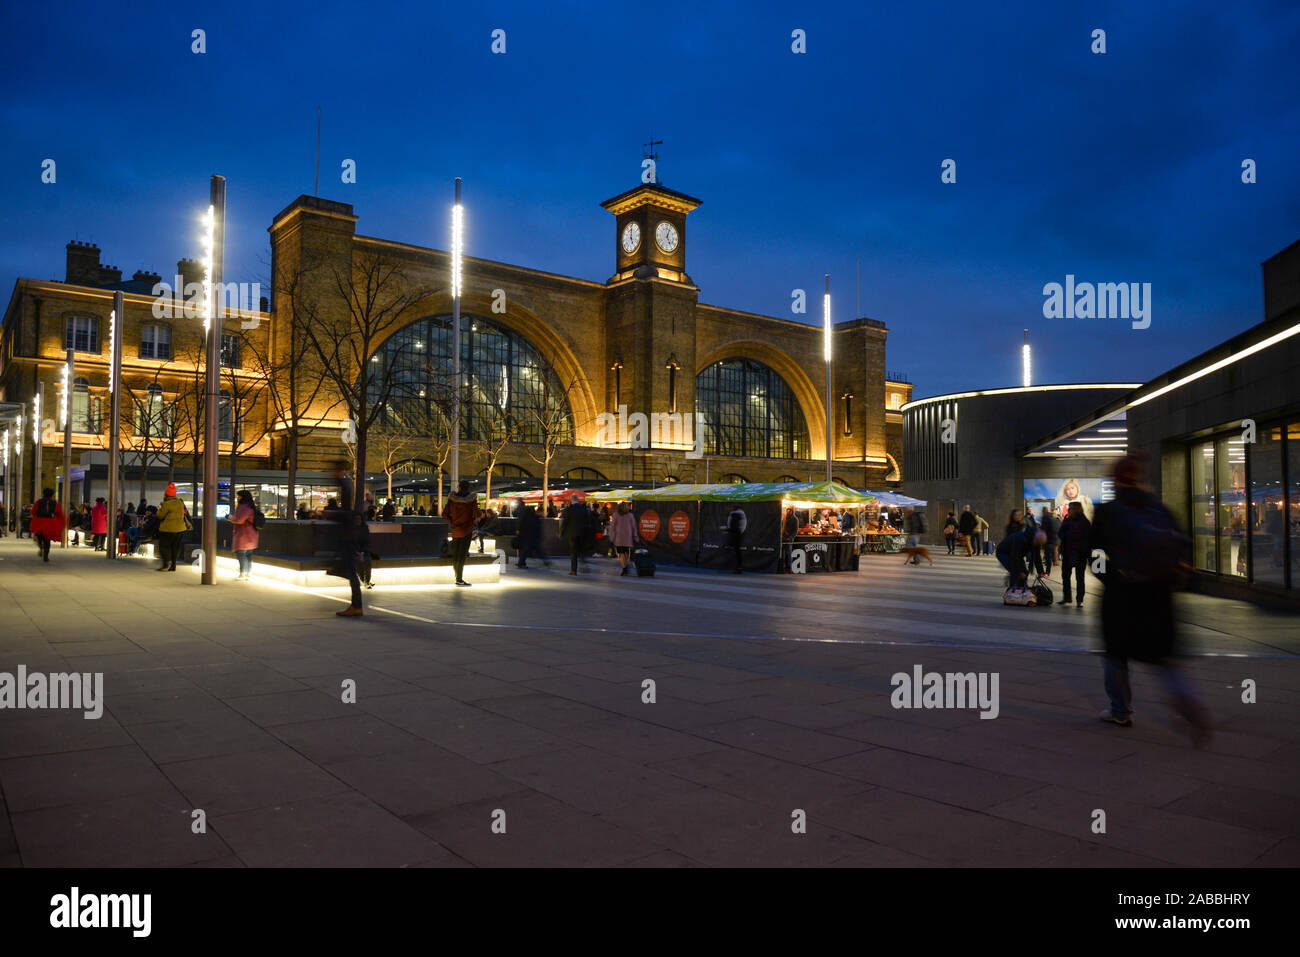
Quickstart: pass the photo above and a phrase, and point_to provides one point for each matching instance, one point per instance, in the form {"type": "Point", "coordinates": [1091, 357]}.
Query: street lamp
{"type": "Point", "coordinates": [1024, 360]}
{"type": "Point", "coordinates": [214, 249]}
{"type": "Point", "coordinates": [826, 348]}
{"type": "Point", "coordinates": [115, 417]}
{"type": "Point", "coordinates": [457, 249]}
{"type": "Point", "coordinates": [37, 401]}
{"type": "Point", "coordinates": [67, 437]}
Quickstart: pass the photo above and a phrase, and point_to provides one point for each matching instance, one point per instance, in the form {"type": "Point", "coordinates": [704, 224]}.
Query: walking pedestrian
{"type": "Point", "coordinates": [173, 523]}
{"type": "Point", "coordinates": [1050, 526]}
{"type": "Point", "coordinates": [1146, 554]}
{"type": "Point", "coordinates": [623, 530]}
{"type": "Point", "coordinates": [966, 525]}
{"type": "Point", "coordinates": [99, 524]}
{"type": "Point", "coordinates": [344, 514]}
{"type": "Point", "coordinates": [244, 537]}
{"type": "Point", "coordinates": [914, 526]}
{"type": "Point", "coordinates": [950, 533]}
{"type": "Point", "coordinates": [981, 534]}
{"type": "Point", "coordinates": [576, 529]}
{"type": "Point", "coordinates": [47, 522]}
{"type": "Point", "coordinates": [530, 536]}
{"type": "Point", "coordinates": [462, 512]}
{"type": "Point", "coordinates": [1075, 551]}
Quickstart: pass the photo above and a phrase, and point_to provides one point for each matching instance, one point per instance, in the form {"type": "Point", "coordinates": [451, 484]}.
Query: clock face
{"type": "Point", "coordinates": [631, 237]}
{"type": "Point", "coordinates": [666, 236]}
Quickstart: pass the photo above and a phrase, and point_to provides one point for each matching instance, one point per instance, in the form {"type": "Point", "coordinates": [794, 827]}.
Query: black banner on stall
{"type": "Point", "coordinates": [668, 530]}
{"type": "Point", "coordinates": [759, 546]}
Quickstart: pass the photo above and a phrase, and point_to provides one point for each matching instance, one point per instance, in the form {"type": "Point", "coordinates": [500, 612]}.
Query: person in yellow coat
{"type": "Point", "coordinates": [173, 523]}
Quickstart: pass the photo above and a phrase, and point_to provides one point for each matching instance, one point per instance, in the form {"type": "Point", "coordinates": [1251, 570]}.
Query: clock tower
{"type": "Point", "coordinates": [650, 309]}
{"type": "Point", "coordinates": [650, 233]}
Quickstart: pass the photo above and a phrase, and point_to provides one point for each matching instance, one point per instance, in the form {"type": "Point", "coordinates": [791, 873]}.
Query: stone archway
{"type": "Point", "coordinates": [539, 335]}
{"type": "Point", "coordinates": [809, 398]}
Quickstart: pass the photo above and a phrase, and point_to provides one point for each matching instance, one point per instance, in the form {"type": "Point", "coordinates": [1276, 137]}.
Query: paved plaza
{"type": "Point", "coordinates": [520, 707]}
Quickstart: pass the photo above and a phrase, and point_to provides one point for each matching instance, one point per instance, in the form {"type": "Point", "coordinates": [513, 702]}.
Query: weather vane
{"type": "Point", "coordinates": [653, 154]}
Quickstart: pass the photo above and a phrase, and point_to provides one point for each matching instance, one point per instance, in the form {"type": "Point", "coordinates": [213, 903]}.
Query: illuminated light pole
{"type": "Point", "coordinates": [826, 348]}
{"type": "Point", "coordinates": [114, 417]}
{"type": "Point", "coordinates": [9, 470]}
{"type": "Point", "coordinates": [214, 251]}
{"type": "Point", "coordinates": [1024, 361]}
{"type": "Point", "coordinates": [457, 249]}
{"type": "Point", "coordinates": [38, 401]}
{"type": "Point", "coordinates": [64, 409]}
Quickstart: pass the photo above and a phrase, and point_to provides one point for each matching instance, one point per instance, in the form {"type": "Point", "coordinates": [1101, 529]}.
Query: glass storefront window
{"type": "Point", "coordinates": [1293, 497]}
{"type": "Point", "coordinates": [1267, 518]}
{"type": "Point", "coordinates": [1230, 466]}
{"type": "Point", "coordinates": [1202, 495]}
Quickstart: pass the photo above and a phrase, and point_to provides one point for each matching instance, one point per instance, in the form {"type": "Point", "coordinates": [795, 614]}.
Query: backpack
{"type": "Point", "coordinates": [46, 508]}
{"type": "Point", "coordinates": [259, 519]}
{"type": "Point", "coordinates": [1144, 544]}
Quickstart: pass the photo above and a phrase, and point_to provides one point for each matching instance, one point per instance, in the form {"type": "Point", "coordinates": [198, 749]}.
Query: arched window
{"type": "Point", "coordinates": [749, 410]}
{"type": "Point", "coordinates": [416, 467]}
{"type": "Point", "coordinates": [733, 479]}
{"type": "Point", "coordinates": [671, 480]}
{"type": "Point", "coordinates": [838, 480]}
{"type": "Point", "coordinates": [85, 407]}
{"type": "Point", "coordinates": [508, 470]}
{"type": "Point", "coordinates": [155, 342]}
{"type": "Point", "coordinates": [583, 474]}
{"type": "Point", "coordinates": [508, 387]}
{"type": "Point", "coordinates": [226, 417]}
{"type": "Point", "coordinates": [153, 416]}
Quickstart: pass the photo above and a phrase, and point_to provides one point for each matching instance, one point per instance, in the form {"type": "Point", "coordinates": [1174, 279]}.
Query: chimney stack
{"type": "Point", "coordinates": [190, 270]}
{"type": "Point", "coordinates": [83, 264]}
{"type": "Point", "coordinates": [150, 279]}
{"type": "Point", "coordinates": [109, 276]}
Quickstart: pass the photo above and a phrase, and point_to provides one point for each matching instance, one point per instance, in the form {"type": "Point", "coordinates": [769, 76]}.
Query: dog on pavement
{"type": "Point", "coordinates": [916, 551]}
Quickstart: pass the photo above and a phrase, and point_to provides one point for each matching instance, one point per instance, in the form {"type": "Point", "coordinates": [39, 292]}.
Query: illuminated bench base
{"type": "Point", "coordinates": [479, 570]}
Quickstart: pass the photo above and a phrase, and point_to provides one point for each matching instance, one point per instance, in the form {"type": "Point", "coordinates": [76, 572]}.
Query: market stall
{"type": "Point", "coordinates": [883, 529]}
{"type": "Point", "coordinates": [690, 524]}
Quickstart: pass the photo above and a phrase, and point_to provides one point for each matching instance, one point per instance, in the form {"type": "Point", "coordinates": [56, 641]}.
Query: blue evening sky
{"type": "Point", "coordinates": [1122, 167]}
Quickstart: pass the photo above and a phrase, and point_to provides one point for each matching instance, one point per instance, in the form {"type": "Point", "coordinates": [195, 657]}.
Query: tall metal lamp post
{"type": "Point", "coordinates": [214, 252]}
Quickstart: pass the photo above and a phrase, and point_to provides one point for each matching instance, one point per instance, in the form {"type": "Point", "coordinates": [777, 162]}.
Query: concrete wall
{"type": "Point", "coordinates": [991, 429]}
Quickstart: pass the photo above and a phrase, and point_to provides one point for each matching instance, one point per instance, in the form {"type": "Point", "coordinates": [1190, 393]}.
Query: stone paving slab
{"type": "Point", "coordinates": [772, 697]}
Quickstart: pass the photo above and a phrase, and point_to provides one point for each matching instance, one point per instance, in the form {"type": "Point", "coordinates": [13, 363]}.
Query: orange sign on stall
{"type": "Point", "coordinates": [649, 524]}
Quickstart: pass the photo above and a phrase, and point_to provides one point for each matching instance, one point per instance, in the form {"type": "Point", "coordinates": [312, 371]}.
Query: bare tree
{"type": "Point", "coordinates": [147, 427]}
{"type": "Point", "coordinates": [346, 342]}
{"type": "Point", "coordinates": [492, 424]}
{"type": "Point", "coordinates": [243, 392]}
{"type": "Point", "coordinates": [288, 363]}
{"type": "Point", "coordinates": [542, 423]}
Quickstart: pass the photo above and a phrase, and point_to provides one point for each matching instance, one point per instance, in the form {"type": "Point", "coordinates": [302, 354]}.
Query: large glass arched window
{"type": "Point", "coordinates": [508, 387]}
{"type": "Point", "coordinates": [583, 474]}
{"type": "Point", "coordinates": [749, 410]}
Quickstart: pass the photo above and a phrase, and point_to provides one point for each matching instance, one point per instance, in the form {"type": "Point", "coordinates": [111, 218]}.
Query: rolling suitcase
{"type": "Point", "coordinates": [645, 565]}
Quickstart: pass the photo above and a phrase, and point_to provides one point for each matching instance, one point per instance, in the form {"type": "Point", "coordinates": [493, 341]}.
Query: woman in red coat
{"type": "Point", "coordinates": [99, 523]}
{"type": "Point", "coordinates": [47, 522]}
